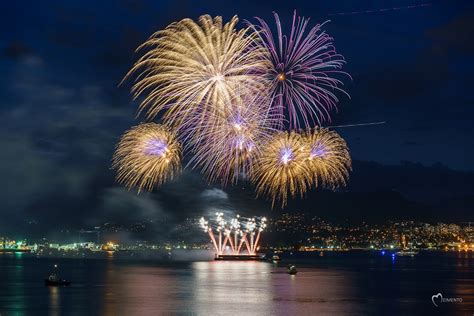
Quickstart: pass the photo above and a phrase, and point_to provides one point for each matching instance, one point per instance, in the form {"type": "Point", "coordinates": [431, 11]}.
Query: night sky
{"type": "Point", "coordinates": [62, 111]}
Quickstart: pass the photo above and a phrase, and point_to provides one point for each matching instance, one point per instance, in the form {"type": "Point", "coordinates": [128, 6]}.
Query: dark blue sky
{"type": "Point", "coordinates": [411, 67]}
{"type": "Point", "coordinates": [62, 112]}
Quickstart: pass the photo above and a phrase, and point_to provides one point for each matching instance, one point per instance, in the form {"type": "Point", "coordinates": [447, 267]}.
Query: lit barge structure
{"type": "Point", "coordinates": [237, 239]}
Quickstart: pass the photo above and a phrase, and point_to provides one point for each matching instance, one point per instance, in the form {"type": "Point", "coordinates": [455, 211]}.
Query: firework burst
{"type": "Point", "coordinates": [282, 168]}
{"type": "Point", "coordinates": [228, 94]}
{"type": "Point", "coordinates": [302, 69]}
{"type": "Point", "coordinates": [194, 69]}
{"type": "Point", "coordinates": [231, 140]}
{"type": "Point", "coordinates": [329, 158]}
{"type": "Point", "coordinates": [147, 156]}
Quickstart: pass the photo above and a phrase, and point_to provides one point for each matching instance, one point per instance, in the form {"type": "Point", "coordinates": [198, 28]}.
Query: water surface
{"type": "Point", "coordinates": [338, 284]}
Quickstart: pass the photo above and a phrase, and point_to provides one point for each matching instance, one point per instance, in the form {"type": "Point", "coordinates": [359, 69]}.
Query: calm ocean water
{"type": "Point", "coordinates": [336, 284]}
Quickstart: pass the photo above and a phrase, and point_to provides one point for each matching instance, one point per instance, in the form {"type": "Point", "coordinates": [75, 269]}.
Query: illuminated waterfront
{"type": "Point", "coordinates": [338, 283]}
{"type": "Point", "coordinates": [287, 232]}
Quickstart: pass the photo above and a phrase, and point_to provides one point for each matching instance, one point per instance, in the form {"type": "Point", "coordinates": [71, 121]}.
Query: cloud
{"type": "Point", "coordinates": [122, 205]}
{"type": "Point", "coordinates": [455, 36]}
{"type": "Point", "coordinates": [129, 209]}
{"type": "Point", "coordinates": [57, 137]}
{"type": "Point", "coordinates": [17, 50]}
{"type": "Point", "coordinates": [214, 194]}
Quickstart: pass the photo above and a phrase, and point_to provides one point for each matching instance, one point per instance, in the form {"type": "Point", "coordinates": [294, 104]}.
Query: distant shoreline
{"type": "Point", "coordinates": [14, 250]}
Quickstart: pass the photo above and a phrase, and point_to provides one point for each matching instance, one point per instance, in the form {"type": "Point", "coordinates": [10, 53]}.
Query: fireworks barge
{"type": "Point", "coordinates": [237, 239]}
{"type": "Point", "coordinates": [238, 258]}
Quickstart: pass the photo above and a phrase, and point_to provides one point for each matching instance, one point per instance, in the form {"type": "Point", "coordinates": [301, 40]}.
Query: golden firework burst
{"type": "Point", "coordinates": [193, 68]}
{"type": "Point", "coordinates": [329, 158]}
{"type": "Point", "coordinates": [147, 156]}
{"type": "Point", "coordinates": [282, 168]}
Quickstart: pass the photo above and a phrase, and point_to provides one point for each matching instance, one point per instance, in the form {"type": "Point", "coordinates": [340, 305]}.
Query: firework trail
{"type": "Point", "coordinates": [357, 124]}
{"type": "Point", "coordinates": [282, 168]}
{"type": "Point", "coordinates": [329, 158]}
{"type": "Point", "coordinates": [382, 9]}
{"type": "Point", "coordinates": [147, 156]}
{"type": "Point", "coordinates": [302, 69]}
{"type": "Point", "coordinates": [193, 69]}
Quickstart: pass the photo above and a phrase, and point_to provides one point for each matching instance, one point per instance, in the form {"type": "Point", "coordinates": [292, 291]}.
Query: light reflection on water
{"type": "Point", "coordinates": [144, 289]}
{"type": "Point", "coordinates": [336, 286]}
{"type": "Point", "coordinates": [54, 300]}
{"type": "Point", "coordinates": [231, 287]}
{"type": "Point", "coordinates": [202, 288]}
{"type": "Point", "coordinates": [213, 288]}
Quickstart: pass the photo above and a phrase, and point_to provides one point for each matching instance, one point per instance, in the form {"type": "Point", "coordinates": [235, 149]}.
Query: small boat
{"type": "Point", "coordinates": [292, 270]}
{"type": "Point", "coordinates": [49, 282]}
{"type": "Point", "coordinates": [276, 258]}
{"type": "Point", "coordinates": [406, 253]}
{"type": "Point", "coordinates": [55, 280]}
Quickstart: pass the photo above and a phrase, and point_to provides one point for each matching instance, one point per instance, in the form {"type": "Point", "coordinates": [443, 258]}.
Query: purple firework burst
{"type": "Point", "coordinates": [155, 147]}
{"type": "Point", "coordinates": [286, 155]}
{"type": "Point", "coordinates": [318, 150]}
{"type": "Point", "coordinates": [302, 71]}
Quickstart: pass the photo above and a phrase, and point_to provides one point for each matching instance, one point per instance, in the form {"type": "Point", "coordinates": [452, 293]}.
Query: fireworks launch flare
{"type": "Point", "coordinates": [241, 235]}
{"type": "Point", "coordinates": [282, 168]}
{"type": "Point", "coordinates": [329, 158]}
{"type": "Point", "coordinates": [301, 70]}
{"type": "Point", "coordinates": [147, 156]}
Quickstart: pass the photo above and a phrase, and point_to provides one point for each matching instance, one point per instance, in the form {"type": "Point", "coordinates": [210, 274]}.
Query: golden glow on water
{"type": "Point", "coordinates": [230, 288]}
{"type": "Point", "coordinates": [235, 285]}
{"type": "Point", "coordinates": [54, 300]}
{"type": "Point", "coordinates": [331, 285]}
